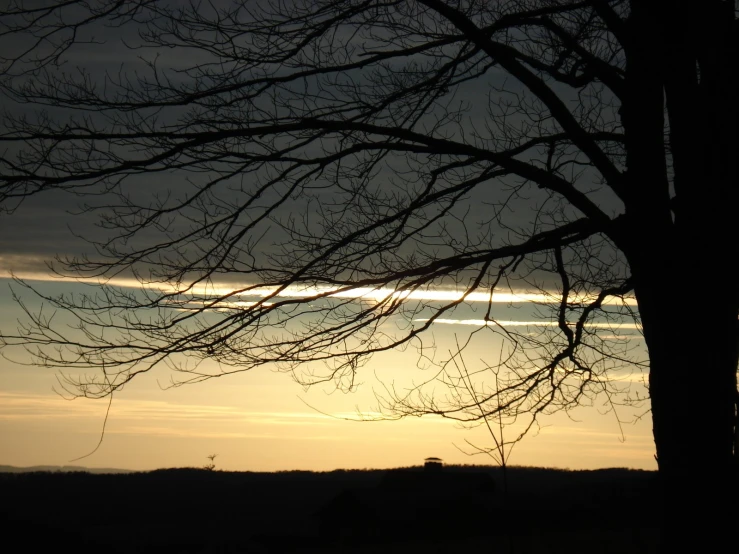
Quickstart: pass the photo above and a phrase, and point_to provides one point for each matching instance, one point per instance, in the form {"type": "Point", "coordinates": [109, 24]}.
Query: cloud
{"type": "Point", "coordinates": [28, 406]}
{"type": "Point", "coordinates": [254, 291]}
{"type": "Point", "coordinates": [186, 420]}
{"type": "Point", "coordinates": [539, 323]}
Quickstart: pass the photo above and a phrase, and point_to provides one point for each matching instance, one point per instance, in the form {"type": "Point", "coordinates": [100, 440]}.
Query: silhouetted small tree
{"type": "Point", "coordinates": [210, 466]}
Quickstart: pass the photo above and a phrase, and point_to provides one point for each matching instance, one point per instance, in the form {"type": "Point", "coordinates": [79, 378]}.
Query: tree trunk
{"type": "Point", "coordinates": [693, 387]}
{"type": "Point", "coordinates": [681, 253]}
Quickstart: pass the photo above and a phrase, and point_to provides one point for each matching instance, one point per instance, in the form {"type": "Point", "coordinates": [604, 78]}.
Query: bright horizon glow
{"type": "Point", "coordinates": [441, 294]}
{"type": "Point", "coordinates": [259, 421]}
{"type": "Point", "coordinates": [177, 430]}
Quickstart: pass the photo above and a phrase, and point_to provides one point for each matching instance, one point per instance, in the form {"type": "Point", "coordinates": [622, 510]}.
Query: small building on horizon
{"type": "Point", "coordinates": [433, 464]}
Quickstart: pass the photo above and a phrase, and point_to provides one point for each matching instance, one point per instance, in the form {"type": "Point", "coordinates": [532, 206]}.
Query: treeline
{"type": "Point", "coordinates": [186, 509]}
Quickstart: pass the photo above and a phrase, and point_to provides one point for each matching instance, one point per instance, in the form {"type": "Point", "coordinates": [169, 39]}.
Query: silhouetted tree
{"type": "Point", "coordinates": [210, 466]}
{"type": "Point", "coordinates": [322, 147]}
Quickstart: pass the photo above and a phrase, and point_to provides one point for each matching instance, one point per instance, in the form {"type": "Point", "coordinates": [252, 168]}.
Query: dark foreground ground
{"type": "Point", "coordinates": [406, 510]}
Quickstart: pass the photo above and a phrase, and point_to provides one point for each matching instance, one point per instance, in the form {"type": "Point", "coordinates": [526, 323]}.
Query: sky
{"type": "Point", "coordinates": [262, 420]}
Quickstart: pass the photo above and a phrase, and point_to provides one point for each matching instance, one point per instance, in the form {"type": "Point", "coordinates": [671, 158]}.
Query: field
{"type": "Point", "coordinates": [462, 509]}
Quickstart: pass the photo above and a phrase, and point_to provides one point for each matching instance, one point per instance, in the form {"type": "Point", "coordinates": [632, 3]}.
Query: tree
{"type": "Point", "coordinates": [338, 164]}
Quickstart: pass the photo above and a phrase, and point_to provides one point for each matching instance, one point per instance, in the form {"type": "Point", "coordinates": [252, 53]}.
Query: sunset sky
{"type": "Point", "coordinates": [262, 420]}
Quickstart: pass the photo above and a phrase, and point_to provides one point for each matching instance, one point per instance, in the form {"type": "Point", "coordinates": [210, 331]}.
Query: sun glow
{"type": "Point", "coordinates": [230, 295]}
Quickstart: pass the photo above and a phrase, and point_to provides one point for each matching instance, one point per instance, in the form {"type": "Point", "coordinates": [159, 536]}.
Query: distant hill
{"type": "Point", "coordinates": [192, 510]}
{"type": "Point", "coordinates": [62, 469]}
